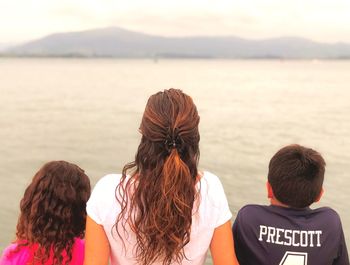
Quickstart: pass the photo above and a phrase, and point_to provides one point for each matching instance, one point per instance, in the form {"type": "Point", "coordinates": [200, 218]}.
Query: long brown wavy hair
{"type": "Point", "coordinates": [53, 212]}
{"type": "Point", "coordinates": [158, 196]}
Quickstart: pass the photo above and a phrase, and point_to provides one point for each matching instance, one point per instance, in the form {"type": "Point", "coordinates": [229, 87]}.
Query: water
{"type": "Point", "coordinates": [87, 111]}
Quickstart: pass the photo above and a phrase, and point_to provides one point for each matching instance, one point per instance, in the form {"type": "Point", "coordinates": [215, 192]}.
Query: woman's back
{"type": "Point", "coordinates": [212, 212]}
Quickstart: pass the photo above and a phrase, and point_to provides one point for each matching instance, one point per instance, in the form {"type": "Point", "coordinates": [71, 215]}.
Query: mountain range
{"type": "Point", "coordinates": [121, 43]}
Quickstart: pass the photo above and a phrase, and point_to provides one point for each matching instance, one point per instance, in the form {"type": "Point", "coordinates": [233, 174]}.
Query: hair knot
{"type": "Point", "coordinates": [173, 140]}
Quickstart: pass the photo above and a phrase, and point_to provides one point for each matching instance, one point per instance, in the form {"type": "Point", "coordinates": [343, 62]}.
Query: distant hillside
{"type": "Point", "coordinates": [4, 46]}
{"type": "Point", "coordinates": [117, 42]}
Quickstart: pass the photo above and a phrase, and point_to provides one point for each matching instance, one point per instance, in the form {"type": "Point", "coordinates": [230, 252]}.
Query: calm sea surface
{"type": "Point", "coordinates": [87, 111]}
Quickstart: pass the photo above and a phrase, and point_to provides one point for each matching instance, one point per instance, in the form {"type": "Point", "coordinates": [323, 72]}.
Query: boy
{"type": "Point", "coordinates": [288, 232]}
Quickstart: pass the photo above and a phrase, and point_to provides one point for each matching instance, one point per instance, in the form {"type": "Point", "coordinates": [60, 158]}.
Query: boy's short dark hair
{"type": "Point", "coordinates": [296, 175]}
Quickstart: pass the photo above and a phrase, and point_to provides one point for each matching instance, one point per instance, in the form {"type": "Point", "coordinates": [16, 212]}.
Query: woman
{"type": "Point", "coordinates": [51, 225]}
{"type": "Point", "coordinates": [161, 209]}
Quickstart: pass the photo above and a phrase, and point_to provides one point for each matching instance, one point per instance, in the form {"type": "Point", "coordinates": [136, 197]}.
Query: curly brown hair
{"type": "Point", "coordinates": [158, 197]}
{"type": "Point", "coordinates": [53, 211]}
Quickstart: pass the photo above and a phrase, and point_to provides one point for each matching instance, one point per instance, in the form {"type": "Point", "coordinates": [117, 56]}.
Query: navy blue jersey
{"type": "Point", "coordinates": [273, 235]}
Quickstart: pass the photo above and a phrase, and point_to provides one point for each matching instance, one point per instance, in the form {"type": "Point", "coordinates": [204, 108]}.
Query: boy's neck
{"type": "Point", "coordinates": [276, 202]}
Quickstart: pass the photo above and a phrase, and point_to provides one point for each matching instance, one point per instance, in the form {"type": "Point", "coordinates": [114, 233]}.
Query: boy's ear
{"type": "Point", "coordinates": [320, 195]}
{"type": "Point", "coordinates": [270, 194]}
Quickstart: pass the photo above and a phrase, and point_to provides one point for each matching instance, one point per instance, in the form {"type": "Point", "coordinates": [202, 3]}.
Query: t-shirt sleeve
{"type": "Point", "coordinates": [235, 228]}
{"type": "Point", "coordinates": [343, 258]}
{"type": "Point", "coordinates": [221, 204]}
{"type": "Point", "coordinates": [101, 196]}
{"type": "Point", "coordinates": [235, 231]}
{"type": "Point", "coordinates": [4, 259]}
{"type": "Point", "coordinates": [239, 238]}
{"type": "Point", "coordinates": [12, 256]}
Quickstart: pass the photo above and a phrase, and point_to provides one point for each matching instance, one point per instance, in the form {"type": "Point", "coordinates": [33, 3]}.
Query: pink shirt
{"type": "Point", "coordinates": [26, 253]}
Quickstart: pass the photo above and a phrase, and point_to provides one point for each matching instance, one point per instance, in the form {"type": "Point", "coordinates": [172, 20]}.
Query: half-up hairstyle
{"type": "Point", "coordinates": [53, 212]}
{"type": "Point", "coordinates": [157, 196]}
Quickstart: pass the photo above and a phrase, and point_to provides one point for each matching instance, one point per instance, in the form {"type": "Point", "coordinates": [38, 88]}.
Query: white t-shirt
{"type": "Point", "coordinates": [213, 211]}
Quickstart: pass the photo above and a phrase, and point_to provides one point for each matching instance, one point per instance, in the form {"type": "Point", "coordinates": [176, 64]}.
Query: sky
{"type": "Point", "coordinates": [319, 20]}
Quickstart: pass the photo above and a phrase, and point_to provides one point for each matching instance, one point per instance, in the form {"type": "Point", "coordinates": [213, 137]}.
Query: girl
{"type": "Point", "coordinates": [50, 227]}
{"type": "Point", "coordinates": [161, 209]}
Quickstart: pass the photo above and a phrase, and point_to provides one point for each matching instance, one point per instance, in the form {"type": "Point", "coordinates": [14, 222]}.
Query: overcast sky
{"type": "Point", "coordinates": [320, 20]}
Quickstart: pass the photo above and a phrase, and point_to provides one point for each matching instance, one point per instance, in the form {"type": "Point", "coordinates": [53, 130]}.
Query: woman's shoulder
{"type": "Point", "coordinates": [213, 201]}
{"type": "Point", "coordinates": [210, 179]}
{"type": "Point", "coordinates": [210, 185]}
{"type": "Point", "coordinates": [102, 198]}
{"type": "Point", "coordinates": [109, 179]}
{"type": "Point", "coordinates": [207, 174]}
{"type": "Point", "coordinates": [107, 183]}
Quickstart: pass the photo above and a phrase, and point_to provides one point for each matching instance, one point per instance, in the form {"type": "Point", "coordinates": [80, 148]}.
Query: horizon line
{"type": "Point", "coordinates": [13, 44]}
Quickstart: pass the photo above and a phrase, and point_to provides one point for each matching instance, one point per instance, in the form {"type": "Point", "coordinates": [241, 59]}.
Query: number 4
{"type": "Point", "coordinates": [294, 258]}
